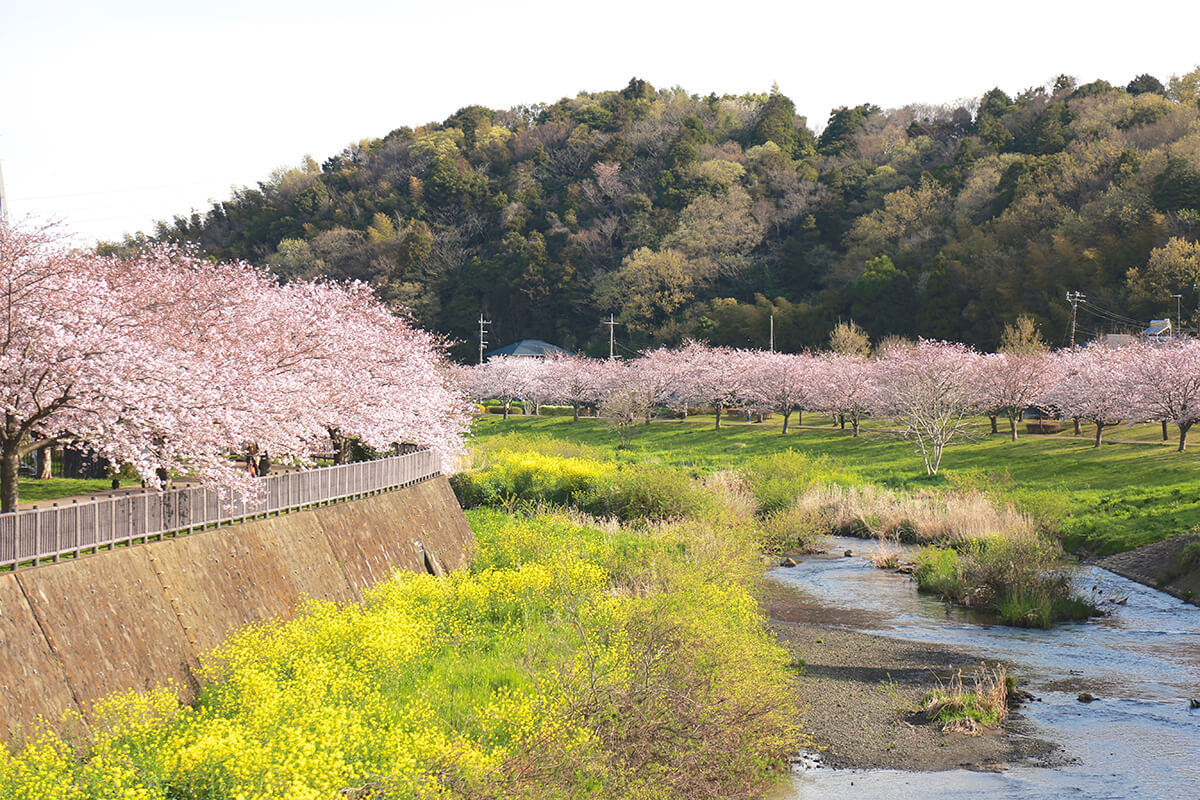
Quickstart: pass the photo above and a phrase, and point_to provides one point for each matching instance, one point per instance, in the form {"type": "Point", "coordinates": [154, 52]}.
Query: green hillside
{"type": "Point", "coordinates": [690, 215]}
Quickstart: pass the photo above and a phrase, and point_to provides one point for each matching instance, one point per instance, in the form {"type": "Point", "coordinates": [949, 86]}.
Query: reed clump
{"type": "Point", "coordinates": [969, 710]}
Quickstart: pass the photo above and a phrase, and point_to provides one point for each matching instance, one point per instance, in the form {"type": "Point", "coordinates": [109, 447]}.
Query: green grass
{"type": "Point", "coordinates": [34, 490]}
{"type": "Point", "coordinates": [1133, 490]}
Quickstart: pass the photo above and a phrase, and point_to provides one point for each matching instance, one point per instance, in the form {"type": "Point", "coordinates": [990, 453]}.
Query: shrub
{"type": "Point", "coordinates": [1020, 578]}
{"type": "Point", "coordinates": [527, 476]}
{"type": "Point", "coordinates": [793, 528]}
{"type": "Point", "coordinates": [939, 571]}
{"type": "Point", "coordinates": [778, 479]}
{"type": "Point", "coordinates": [646, 491]}
{"type": "Point", "coordinates": [967, 711]}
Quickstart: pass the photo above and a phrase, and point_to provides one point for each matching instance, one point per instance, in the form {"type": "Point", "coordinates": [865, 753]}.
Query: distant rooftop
{"type": "Point", "coordinates": [1158, 327]}
{"type": "Point", "coordinates": [533, 348]}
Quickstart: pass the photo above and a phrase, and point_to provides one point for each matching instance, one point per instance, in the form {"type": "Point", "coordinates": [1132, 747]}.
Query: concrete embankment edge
{"type": "Point", "coordinates": [139, 617]}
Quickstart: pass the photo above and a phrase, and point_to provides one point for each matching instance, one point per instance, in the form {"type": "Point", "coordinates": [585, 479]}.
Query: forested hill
{"type": "Point", "coordinates": [689, 215]}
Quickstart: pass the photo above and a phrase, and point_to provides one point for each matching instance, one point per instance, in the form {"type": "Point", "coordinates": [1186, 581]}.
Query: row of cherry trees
{"type": "Point", "coordinates": [167, 361]}
{"type": "Point", "coordinates": [930, 389]}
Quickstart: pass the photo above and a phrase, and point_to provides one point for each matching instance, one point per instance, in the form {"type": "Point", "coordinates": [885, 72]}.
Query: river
{"type": "Point", "coordinates": [1139, 740]}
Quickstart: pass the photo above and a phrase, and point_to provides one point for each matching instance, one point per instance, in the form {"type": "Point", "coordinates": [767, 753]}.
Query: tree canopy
{"type": "Point", "coordinates": [682, 213]}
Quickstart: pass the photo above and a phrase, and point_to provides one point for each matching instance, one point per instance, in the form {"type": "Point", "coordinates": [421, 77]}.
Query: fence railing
{"type": "Point", "coordinates": [29, 537]}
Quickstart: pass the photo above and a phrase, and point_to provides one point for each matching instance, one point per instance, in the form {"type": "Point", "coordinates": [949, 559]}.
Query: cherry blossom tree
{"type": "Point", "coordinates": [509, 378]}
{"type": "Point", "coordinates": [575, 380]}
{"type": "Point", "coordinates": [781, 382]}
{"type": "Point", "coordinates": [1011, 382]}
{"type": "Point", "coordinates": [657, 374]}
{"type": "Point", "coordinates": [845, 386]}
{"type": "Point", "coordinates": [929, 387]}
{"type": "Point", "coordinates": [1164, 384]}
{"type": "Point", "coordinates": [717, 376]}
{"type": "Point", "coordinates": [169, 362]}
{"type": "Point", "coordinates": [1094, 385]}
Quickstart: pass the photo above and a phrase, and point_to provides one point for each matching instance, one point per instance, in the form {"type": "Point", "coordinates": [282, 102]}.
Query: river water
{"type": "Point", "coordinates": [1140, 740]}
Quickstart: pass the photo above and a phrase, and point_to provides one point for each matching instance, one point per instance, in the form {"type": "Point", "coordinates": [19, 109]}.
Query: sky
{"type": "Point", "coordinates": [117, 113]}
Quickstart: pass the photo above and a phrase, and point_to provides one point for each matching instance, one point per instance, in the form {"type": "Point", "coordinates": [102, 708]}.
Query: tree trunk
{"type": "Point", "coordinates": [800, 416]}
{"type": "Point", "coordinates": [575, 406]}
{"type": "Point", "coordinates": [842, 421]}
{"type": "Point", "coordinates": [1164, 427]}
{"type": "Point", "coordinates": [1183, 432]}
{"type": "Point", "coordinates": [506, 405]}
{"type": "Point", "coordinates": [992, 419]}
{"type": "Point", "coordinates": [1077, 429]}
{"type": "Point", "coordinates": [786, 414]}
{"type": "Point", "coordinates": [46, 463]}
{"type": "Point", "coordinates": [854, 423]}
{"type": "Point", "coordinates": [264, 464]}
{"type": "Point", "coordinates": [341, 447]}
{"type": "Point", "coordinates": [1012, 425]}
{"type": "Point", "coordinates": [10, 465]}
{"type": "Point", "coordinates": [718, 417]}
{"type": "Point", "coordinates": [1099, 429]}
{"type": "Point", "coordinates": [164, 478]}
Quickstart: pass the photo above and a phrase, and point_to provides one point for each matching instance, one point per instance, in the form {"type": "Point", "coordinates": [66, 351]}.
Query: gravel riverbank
{"type": "Point", "coordinates": [860, 691]}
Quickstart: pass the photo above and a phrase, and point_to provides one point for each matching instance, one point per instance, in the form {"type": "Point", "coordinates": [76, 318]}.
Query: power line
{"type": "Point", "coordinates": [1107, 313]}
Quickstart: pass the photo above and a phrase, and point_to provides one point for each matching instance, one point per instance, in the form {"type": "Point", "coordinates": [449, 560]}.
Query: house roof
{"type": "Point", "coordinates": [534, 348]}
{"type": "Point", "coordinates": [1158, 327]}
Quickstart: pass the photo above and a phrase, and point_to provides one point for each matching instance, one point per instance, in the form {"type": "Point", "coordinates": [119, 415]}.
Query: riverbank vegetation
{"type": "Point", "coordinates": [1132, 491]}
{"type": "Point", "coordinates": [979, 549]}
{"type": "Point", "coordinates": [968, 710]}
{"type": "Point", "coordinates": [574, 658]}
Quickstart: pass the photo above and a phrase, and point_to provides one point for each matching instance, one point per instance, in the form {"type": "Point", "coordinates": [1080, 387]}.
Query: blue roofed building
{"type": "Point", "coordinates": [529, 348]}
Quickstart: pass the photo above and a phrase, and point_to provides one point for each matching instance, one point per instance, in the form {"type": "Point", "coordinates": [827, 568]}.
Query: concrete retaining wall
{"type": "Point", "coordinates": [137, 617]}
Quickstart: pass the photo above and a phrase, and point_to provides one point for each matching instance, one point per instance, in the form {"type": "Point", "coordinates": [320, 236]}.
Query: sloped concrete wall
{"type": "Point", "coordinates": [139, 617]}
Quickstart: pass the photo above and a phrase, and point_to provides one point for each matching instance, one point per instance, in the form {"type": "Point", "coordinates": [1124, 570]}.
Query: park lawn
{"type": "Point", "coordinates": [35, 490]}
{"type": "Point", "coordinates": [1133, 490]}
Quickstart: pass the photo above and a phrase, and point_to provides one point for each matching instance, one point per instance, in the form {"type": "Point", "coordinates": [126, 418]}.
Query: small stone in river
{"type": "Point", "coordinates": [1087, 697]}
{"type": "Point", "coordinates": [1194, 703]}
{"type": "Point", "coordinates": [849, 553]}
{"type": "Point", "coordinates": [788, 562]}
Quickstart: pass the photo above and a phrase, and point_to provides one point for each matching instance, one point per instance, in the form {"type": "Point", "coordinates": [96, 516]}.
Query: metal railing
{"type": "Point", "coordinates": [29, 537]}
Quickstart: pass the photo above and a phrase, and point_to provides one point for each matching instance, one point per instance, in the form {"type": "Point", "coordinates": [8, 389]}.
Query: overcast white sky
{"type": "Point", "coordinates": [115, 113]}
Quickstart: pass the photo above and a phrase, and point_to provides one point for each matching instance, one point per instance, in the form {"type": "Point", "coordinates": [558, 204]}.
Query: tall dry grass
{"type": "Point", "coordinates": [947, 517]}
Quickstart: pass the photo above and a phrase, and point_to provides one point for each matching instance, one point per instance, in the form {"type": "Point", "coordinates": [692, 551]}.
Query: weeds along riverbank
{"type": "Point", "coordinates": [980, 549]}
{"type": "Point", "coordinates": [1132, 491]}
{"type": "Point", "coordinates": [574, 658]}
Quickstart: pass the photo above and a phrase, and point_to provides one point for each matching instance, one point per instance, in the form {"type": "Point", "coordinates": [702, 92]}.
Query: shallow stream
{"type": "Point", "coordinates": [1139, 740]}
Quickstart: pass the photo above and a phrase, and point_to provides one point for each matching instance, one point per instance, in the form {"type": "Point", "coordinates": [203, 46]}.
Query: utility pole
{"type": "Point", "coordinates": [1074, 298]}
{"type": "Point", "coordinates": [483, 323]}
{"type": "Point", "coordinates": [772, 333]}
{"type": "Point", "coordinates": [612, 326]}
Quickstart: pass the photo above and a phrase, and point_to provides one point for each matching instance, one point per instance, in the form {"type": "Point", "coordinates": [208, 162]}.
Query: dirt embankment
{"type": "Point", "coordinates": [861, 691]}
{"type": "Point", "coordinates": [1159, 565]}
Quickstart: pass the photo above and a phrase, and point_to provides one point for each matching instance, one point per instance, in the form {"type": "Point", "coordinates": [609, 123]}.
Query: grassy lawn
{"type": "Point", "coordinates": [1134, 490]}
{"type": "Point", "coordinates": [33, 490]}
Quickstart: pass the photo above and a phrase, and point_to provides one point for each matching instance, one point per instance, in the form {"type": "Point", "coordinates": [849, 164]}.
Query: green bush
{"type": "Point", "coordinates": [648, 492]}
{"type": "Point", "coordinates": [778, 479]}
{"type": "Point", "coordinates": [1020, 578]}
{"type": "Point", "coordinates": [939, 571]}
{"type": "Point", "coordinates": [793, 528]}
